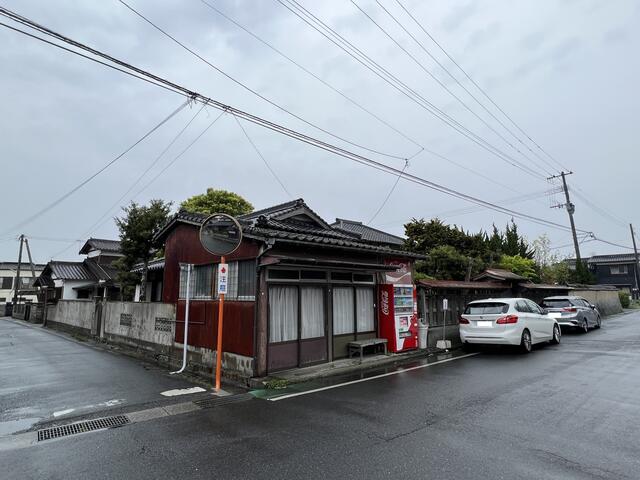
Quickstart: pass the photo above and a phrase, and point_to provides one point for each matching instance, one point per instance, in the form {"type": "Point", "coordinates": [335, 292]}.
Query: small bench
{"type": "Point", "coordinates": [360, 345]}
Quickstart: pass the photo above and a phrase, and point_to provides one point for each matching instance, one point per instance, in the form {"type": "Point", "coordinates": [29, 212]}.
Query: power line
{"type": "Point", "coordinates": [562, 167]}
{"type": "Point", "coordinates": [319, 143]}
{"type": "Point", "coordinates": [94, 175]}
{"type": "Point", "coordinates": [597, 209]}
{"type": "Point", "coordinates": [439, 82]}
{"type": "Point", "coordinates": [254, 92]}
{"type": "Point", "coordinates": [309, 72]}
{"type": "Point", "coordinates": [455, 79]}
{"type": "Point", "coordinates": [386, 199]}
{"type": "Point", "coordinates": [396, 83]}
{"type": "Point", "coordinates": [142, 175]}
{"type": "Point", "coordinates": [275, 175]}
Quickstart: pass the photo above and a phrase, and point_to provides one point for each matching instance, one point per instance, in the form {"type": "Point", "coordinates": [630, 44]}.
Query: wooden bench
{"type": "Point", "coordinates": [360, 345]}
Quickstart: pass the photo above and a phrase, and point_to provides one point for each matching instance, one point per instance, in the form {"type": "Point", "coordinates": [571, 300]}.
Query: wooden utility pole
{"type": "Point", "coordinates": [16, 286]}
{"type": "Point", "coordinates": [636, 263]}
{"type": "Point", "coordinates": [571, 208]}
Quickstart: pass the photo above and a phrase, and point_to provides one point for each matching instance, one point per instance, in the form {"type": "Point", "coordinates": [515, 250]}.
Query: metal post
{"type": "Point", "coordinates": [186, 323]}
{"type": "Point", "coordinates": [637, 263]}
{"type": "Point", "coordinates": [219, 346]}
{"type": "Point", "coordinates": [16, 287]}
{"type": "Point", "coordinates": [33, 270]}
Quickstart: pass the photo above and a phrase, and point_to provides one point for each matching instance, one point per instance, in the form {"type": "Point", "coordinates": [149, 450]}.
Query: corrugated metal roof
{"type": "Point", "coordinates": [367, 233]}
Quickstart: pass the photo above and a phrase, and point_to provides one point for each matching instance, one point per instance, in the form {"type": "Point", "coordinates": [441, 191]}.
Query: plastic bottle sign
{"type": "Point", "coordinates": [445, 304]}
{"type": "Point", "coordinates": [223, 275]}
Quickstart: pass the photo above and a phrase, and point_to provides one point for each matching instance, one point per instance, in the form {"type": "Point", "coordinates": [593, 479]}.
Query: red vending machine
{"type": "Point", "coordinates": [398, 311]}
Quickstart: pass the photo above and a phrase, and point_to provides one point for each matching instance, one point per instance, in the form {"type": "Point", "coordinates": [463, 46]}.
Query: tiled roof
{"type": "Point", "coordinates": [157, 264]}
{"type": "Point", "coordinates": [283, 222]}
{"type": "Point", "coordinates": [499, 274]}
{"type": "Point", "coordinates": [455, 284]}
{"type": "Point", "coordinates": [617, 258]}
{"type": "Point", "coordinates": [367, 233]}
{"type": "Point", "coordinates": [25, 265]}
{"type": "Point", "coordinates": [106, 273]}
{"type": "Point", "coordinates": [70, 270]}
{"type": "Point", "coordinates": [105, 245]}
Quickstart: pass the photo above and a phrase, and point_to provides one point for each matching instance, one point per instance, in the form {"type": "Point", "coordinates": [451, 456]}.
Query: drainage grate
{"type": "Point", "coordinates": [219, 401]}
{"type": "Point", "coordinates": [81, 427]}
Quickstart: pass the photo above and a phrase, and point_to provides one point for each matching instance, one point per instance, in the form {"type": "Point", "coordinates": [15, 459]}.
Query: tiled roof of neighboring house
{"type": "Point", "coordinates": [499, 274]}
{"type": "Point", "coordinates": [456, 284]}
{"type": "Point", "coordinates": [617, 258]}
{"type": "Point", "coordinates": [290, 222]}
{"type": "Point", "coordinates": [157, 264]}
{"type": "Point", "coordinates": [107, 246]}
{"type": "Point", "coordinates": [367, 233]}
{"type": "Point", "coordinates": [544, 286]}
{"type": "Point", "coordinates": [70, 270]}
{"type": "Point", "coordinates": [101, 272]}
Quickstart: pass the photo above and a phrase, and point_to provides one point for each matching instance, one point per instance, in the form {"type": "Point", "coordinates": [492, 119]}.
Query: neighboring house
{"type": "Point", "coordinates": [8, 271]}
{"type": "Point", "coordinates": [155, 278]}
{"type": "Point", "coordinates": [369, 234]}
{"type": "Point", "coordinates": [95, 276]}
{"type": "Point", "coordinates": [617, 270]}
{"type": "Point", "coordinates": [299, 289]}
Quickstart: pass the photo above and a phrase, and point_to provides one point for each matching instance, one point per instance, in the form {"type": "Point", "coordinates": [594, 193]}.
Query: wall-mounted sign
{"type": "Point", "coordinates": [223, 275]}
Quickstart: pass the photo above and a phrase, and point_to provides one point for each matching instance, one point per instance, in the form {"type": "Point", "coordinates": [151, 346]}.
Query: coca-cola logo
{"type": "Point", "coordinates": [384, 302]}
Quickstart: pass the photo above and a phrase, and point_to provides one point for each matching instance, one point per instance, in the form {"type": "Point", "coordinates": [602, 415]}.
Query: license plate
{"type": "Point", "coordinates": [485, 324]}
{"type": "Point", "coordinates": [555, 314]}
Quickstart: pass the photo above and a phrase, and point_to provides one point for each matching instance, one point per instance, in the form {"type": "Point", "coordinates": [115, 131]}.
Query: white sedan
{"type": "Point", "coordinates": [507, 321]}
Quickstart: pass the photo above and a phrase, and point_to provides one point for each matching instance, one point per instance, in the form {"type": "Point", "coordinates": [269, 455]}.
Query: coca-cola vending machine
{"type": "Point", "coordinates": [398, 308]}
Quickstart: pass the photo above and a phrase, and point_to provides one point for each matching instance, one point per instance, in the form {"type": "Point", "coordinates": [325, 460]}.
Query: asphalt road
{"type": "Point", "coordinates": [562, 412]}
{"type": "Point", "coordinates": [45, 376]}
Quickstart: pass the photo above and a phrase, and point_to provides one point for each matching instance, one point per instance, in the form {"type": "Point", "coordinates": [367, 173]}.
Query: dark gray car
{"type": "Point", "coordinates": [572, 312]}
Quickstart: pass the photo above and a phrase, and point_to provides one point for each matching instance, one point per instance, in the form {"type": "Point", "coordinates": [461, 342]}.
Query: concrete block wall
{"type": "Point", "coordinates": [607, 301]}
{"type": "Point", "coordinates": [139, 323]}
{"type": "Point", "coordinates": [73, 314]}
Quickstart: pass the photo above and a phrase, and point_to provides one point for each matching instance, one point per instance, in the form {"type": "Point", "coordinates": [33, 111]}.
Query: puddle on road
{"type": "Point", "coordinates": [12, 426]}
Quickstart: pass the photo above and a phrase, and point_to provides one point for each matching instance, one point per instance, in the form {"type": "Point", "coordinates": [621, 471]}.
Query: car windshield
{"type": "Point", "coordinates": [557, 303]}
{"type": "Point", "coordinates": [486, 308]}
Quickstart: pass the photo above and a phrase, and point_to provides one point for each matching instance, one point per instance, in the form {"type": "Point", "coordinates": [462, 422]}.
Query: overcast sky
{"type": "Point", "coordinates": [566, 71]}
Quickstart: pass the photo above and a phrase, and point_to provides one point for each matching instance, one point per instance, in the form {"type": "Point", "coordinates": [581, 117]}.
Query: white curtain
{"type": "Point", "coordinates": [342, 310]}
{"type": "Point", "coordinates": [364, 309]}
{"type": "Point", "coordinates": [312, 311]}
{"type": "Point", "coordinates": [283, 314]}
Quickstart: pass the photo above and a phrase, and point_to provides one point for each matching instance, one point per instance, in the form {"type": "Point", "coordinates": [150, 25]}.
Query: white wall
{"type": "Point", "coordinates": [68, 292]}
{"type": "Point", "coordinates": [25, 272]}
{"type": "Point", "coordinates": [74, 313]}
{"type": "Point", "coordinates": [143, 321]}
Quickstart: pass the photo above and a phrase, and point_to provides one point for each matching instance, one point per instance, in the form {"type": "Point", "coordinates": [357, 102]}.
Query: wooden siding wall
{"type": "Point", "coordinates": [183, 246]}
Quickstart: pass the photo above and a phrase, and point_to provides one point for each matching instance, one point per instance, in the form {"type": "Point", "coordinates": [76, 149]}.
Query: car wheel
{"type": "Point", "coordinates": [584, 328]}
{"type": "Point", "coordinates": [525, 342]}
{"type": "Point", "coordinates": [467, 347]}
{"type": "Point", "coordinates": [555, 340]}
{"type": "Point", "coordinates": [598, 322]}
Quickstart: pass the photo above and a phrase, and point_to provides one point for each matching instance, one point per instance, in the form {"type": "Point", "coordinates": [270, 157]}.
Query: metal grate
{"type": "Point", "coordinates": [126, 319]}
{"type": "Point", "coordinates": [81, 427]}
{"type": "Point", "coordinates": [219, 401]}
{"type": "Point", "coordinates": [163, 324]}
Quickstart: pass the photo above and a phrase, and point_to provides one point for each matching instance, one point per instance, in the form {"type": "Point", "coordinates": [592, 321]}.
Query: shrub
{"type": "Point", "coordinates": [624, 299]}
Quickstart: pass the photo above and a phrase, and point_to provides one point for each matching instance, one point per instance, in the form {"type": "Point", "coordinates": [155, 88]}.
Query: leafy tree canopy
{"type": "Point", "coordinates": [217, 201]}
{"type": "Point", "coordinates": [525, 267]}
{"type": "Point", "coordinates": [138, 226]}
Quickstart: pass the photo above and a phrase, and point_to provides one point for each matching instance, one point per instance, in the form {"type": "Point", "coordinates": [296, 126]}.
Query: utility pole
{"type": "Point", "coordinates": [571, 208]}
{"type": "Point", "coordinates": [636, 264]}
{"type": "Point", "coordinates": [16, 287]}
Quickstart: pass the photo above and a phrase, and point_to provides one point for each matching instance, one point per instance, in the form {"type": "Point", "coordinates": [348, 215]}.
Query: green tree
{"type": "Point", "coordinates": [522, 266]}
{"type": "Point", "coordinates": [217, 201]}
{"type": "Point", "coordinates": [138, 226]}
{"type": "Point", "coordinates": [445, 263]}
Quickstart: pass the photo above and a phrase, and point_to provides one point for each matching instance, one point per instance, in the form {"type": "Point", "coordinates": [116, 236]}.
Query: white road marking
{"type": "Point", "coordinates": [63, 412]}
{"type": "Point", "coordinates": [329, 387]}
{"type": "Point", "coordinates": [182, 391]}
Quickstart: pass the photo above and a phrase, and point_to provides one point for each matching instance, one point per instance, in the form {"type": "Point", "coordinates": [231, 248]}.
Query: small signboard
{"type": "Point", "coordinates": [223, 275]}
{"type": "Point", "coordinates": [445, 304]}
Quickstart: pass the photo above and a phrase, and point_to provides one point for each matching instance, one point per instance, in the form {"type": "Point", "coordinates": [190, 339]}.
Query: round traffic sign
{"type": "Point", "coordinates": [220, 234]}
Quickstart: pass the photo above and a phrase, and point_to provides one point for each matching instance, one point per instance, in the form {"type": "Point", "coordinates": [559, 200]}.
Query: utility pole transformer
{"type": "Point", "coordinates": [636, 263]}
{"type": "Point", "coordinates": [571, 208]}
